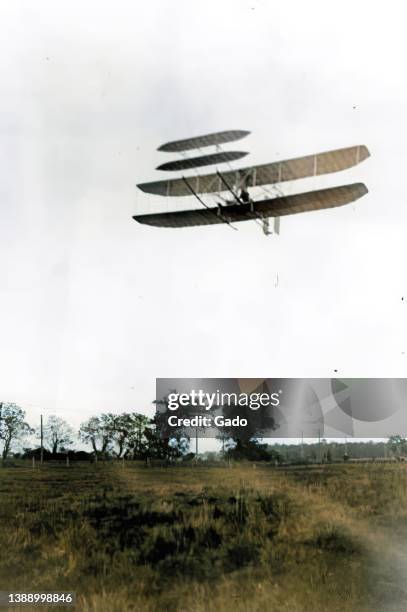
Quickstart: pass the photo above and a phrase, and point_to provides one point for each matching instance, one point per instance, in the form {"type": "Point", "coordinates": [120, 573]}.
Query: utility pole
{"type": "Point", "coordinates": [302, 445]}
{"type": "Point", "coordinates": [42, 444]}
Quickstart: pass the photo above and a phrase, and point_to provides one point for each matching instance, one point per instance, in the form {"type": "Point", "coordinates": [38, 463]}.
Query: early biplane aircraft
{"type": "Point", "coordinates": [240, 205]}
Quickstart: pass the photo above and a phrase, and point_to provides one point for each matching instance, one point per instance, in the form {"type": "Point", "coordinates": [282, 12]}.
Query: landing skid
{"type": "Point", "coordinates": [266, 226]}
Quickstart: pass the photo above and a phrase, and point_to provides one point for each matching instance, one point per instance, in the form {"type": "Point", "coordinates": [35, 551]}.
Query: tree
{"type": "Point", "coordinates": [163, 447]}
{"type": "Point", "coordinates": [131, 435]}
{"type": "Point", "coordinates": [137, 442]}
{"type": "Point", "coordinates": [122, 433]}
{"type": "Point", "coordinates": [252, 450]}
{"type": "Point", "coordinates": [260, 422]}
{"type": "Point", "coordinates": [95, 431]}
{"type": "Point", "coordinates": [12, 426]}
{"type": "Point", "coordinates": [165, 441]}
{"type": "Point", "coordinates": [117, 428]}
{"type": "Point", "coordinates": [57, 434]}
{"type": "Point", "coordinates": [397, 444]}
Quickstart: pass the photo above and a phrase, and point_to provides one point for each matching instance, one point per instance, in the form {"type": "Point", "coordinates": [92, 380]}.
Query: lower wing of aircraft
{"type": "Point", "coordinates": [260, 209]}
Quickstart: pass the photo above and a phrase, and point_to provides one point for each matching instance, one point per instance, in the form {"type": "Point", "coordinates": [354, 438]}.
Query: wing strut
{"type": "Point", "coordinates": [259, 220]}
{"type": "Point", "coordinates": [192, 190]}
{"type": "Point", "coordinates": [228, 187]}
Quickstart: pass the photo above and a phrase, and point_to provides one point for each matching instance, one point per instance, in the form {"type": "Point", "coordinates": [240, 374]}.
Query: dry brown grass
{"type": "Point", "coordinates": [197, 539]}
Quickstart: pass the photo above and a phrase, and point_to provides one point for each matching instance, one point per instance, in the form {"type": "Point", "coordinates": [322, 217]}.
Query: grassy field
{"type": "Point", "coordinates": [322, 539]}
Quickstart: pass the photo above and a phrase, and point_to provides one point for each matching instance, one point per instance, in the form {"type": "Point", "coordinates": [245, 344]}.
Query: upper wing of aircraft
{"type": "Point", "coordinates": [265, 174]}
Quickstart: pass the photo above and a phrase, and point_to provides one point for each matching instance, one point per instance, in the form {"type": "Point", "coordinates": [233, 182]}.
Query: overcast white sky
{"type": "Point", "coordinates": [94, 306]}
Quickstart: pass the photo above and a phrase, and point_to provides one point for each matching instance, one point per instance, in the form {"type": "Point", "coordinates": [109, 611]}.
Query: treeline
{"type": "Point", "coordinates": [125, 435]}
{"type": "Point", "coordinates": [329, 451]}
{"type": "Point", "coordinates": [137, 436]}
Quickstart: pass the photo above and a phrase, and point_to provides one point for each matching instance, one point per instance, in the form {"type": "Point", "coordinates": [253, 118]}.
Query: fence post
{"type": "Point", "coordinates": [33, 462]}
